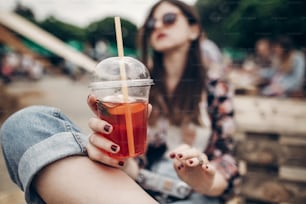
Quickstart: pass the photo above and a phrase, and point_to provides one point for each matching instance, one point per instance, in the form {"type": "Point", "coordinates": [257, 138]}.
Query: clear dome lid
{"type": "Point", "coordinates": [107, 73]}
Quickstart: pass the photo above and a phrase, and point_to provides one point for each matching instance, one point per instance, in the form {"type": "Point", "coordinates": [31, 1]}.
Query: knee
{"type": "Point", "coordinates": [21, 121]}
{"type": "Point", "coordinates": [17, 134]}
{"type": "Point", "coordinates": [21, 128]}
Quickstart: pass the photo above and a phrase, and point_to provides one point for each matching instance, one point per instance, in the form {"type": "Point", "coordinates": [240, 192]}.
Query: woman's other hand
{"type": "Point", "coordinates": [193, 167]}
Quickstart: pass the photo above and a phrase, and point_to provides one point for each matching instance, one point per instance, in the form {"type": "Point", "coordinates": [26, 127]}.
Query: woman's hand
{"type": "Point", "coordinates": [193, 167]}
{"type": "Point", "coordinates": [99, 146]}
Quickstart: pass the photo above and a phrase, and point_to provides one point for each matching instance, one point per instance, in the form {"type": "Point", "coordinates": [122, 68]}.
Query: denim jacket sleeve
{"type": "Point", "coordinates": [294, 80]}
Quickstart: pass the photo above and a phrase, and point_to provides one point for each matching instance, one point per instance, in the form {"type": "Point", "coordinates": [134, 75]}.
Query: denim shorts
{"type": "Point", "coordinates": [34, 137]}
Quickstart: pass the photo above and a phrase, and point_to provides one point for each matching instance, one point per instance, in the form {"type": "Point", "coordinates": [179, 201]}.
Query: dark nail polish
{"type": "Point", "coordinates": [172, 155]}
{"type": "Point", "coordinates": [121, 163]}
{"type": "Point", "coordinates": [114, 148]}
{"type": "Point", "coordinates": [107, 128]}
{"type": "Point", "coordinates": [190, 162]}
{"type": "Point", "coordinates": [180, 156]}
{"type": "Point", "coordinates": [179, 167]}
{"type": "Point", "coordinates": [206, 166]}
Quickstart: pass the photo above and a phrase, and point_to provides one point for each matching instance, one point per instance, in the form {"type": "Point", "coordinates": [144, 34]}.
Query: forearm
{"type": "Point", "coordinates": [79, 180]}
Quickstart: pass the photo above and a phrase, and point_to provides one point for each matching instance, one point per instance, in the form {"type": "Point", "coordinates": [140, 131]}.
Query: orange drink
{"type": "Point", "coordinates": [122, 102]}
{"type": "Point", "coordinates": [115, 114]}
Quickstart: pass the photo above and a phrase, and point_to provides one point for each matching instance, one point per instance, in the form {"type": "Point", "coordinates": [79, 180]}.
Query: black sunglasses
{"type": "Point", "coordinates": [167, 19]}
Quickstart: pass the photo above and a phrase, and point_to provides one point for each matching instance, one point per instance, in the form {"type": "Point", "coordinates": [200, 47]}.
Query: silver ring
{"type": "Point", "coordinates": [201, 161]}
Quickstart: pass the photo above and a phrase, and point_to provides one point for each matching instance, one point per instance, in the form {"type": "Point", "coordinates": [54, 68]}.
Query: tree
{"type": "Point", "coordinates": [105, 30]}
{"type": "Point", "coordinates": [62, 30]}
{"type": "Point", "coordinates": [24, 11]}
{"type": "Point", "coordinates": [240, 23]}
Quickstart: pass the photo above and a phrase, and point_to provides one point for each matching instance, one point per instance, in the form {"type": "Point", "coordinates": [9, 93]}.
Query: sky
{"type": "Point", "coordinates": [83, 12]}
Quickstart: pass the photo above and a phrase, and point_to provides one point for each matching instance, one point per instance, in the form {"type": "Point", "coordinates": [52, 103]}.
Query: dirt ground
{"type": "Point", "coordinates": [59, 91]}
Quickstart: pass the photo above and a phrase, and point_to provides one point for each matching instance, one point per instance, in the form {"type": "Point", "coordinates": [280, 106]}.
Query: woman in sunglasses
{"type": "Point", "coordinates": [191, 124]}
{"type": "Point", "coordinates": [188, 159]}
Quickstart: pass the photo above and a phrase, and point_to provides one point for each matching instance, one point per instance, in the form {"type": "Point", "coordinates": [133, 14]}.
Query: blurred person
{"type": "Point", "coordinates": [10, 64]}
{"type": "Point", "coordinates": [263, 53]}
{"type": "Point", "coordinates": [27, 63]}
{"type": "Point", "coordinates": [263, 61]}
{"type": "Point", "coordinates": [37, 70]}
{"type": "Point", "coordinates": [89, 50]}
{"type": "Point", "coordinates": [189, 136]}
{"type": "Point", "coordinates": [258, 67]}
{"type": "Point", "coordinates": [101, 50]}
{"type": "Point", "coordinates": [212, 57]}
{"type": "Point", "coordinates": [288, 73]}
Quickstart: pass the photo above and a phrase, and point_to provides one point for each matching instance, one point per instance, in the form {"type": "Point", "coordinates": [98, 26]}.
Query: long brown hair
{"type": "Point", "coordinates": [183, 105]}
{"type": "Point", "coordinates": [285, 61]}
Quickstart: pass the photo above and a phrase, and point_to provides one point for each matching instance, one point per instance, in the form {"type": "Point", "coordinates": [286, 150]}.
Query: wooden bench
{"type": "Point", "coordinates": [271, 149]}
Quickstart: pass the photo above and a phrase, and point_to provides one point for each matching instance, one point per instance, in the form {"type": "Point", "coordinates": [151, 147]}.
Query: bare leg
{"type": "Point", "coordinates": [79, 180]}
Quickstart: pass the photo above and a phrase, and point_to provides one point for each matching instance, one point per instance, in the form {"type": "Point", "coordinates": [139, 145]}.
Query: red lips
{"type": "Point", "coordinates": [160, 36]}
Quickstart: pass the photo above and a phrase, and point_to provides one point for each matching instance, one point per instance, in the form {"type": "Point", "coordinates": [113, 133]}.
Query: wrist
{"type": "Point", "coordinates": [131, 168]}
{"type": "Point", "coordinates": [218, 186]}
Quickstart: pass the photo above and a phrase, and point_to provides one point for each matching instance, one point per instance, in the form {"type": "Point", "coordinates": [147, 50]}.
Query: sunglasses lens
{"type": "Point", "coordinates": [151, 24]}
{"type": "Point", "coordinates": [169, 18]}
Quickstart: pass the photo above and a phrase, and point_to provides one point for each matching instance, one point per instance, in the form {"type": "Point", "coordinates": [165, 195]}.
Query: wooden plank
{"type": "Point", "coordinates": [281, 125]}
{"type": "Point", "coordinates": [258, 114]}
{"type": "Point", "coordinates": [292, 173]}
{"type": "Point", "coordinates": [269, 188]}
{"type": "Point", "coordinates": [264, 188]}
{"type": "Point", "coordinates": [293, 140]}
{"type": "Point", "coordinates": [270, 153]}
{"type": "Point", "coordinates": [276, 106]}
{"type": "Point", "coordinates": [255, 152]}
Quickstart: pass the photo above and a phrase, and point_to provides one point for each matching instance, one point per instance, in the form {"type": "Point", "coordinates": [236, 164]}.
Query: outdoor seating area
{"type": "Point", "coordinates": [271, 141]}
{"type": "Point", "coordinates": [226, 81]}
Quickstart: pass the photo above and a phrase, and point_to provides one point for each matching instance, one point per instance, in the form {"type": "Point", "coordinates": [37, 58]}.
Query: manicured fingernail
{"type": "Point", "coordinates": [107, 128]}
{"type": "Point", "coordinates": [190, 162]}
{"type": "Point", "coordinates": [179, 167]}
{"type": "Point", "coordinates": [206, 166]}
{"type": "Point", "coordinates": [180, 156]}
{"type": "Point", "coordinates": [114, 148]}
{"type": "Point", "coordinates": [121, 163]}
{"type": "Point", "coordinates": [172, 155]}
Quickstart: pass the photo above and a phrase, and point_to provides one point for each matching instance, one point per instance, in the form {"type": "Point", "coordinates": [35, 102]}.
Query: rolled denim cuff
{"type": "Point", "coordinates": [40, 155]}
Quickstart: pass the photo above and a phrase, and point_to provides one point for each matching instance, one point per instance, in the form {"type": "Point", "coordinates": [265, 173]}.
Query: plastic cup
{"type": "Point", "coordinates": [128, 115]}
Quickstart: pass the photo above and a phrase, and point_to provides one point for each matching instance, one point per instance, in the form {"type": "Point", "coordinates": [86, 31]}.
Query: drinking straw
{"type": "Point", "coordinates": [128, 117]}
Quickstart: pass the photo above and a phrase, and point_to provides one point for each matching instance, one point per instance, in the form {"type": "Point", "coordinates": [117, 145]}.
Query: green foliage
{"type": "Point", "coordinates": [105, 30]}
{"type": "Point", "coordinates": [62, 30]}
{"type": "Point", "coordinates": [240, 23]}
{"type": "Point", "coordinates": [25, 12]}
